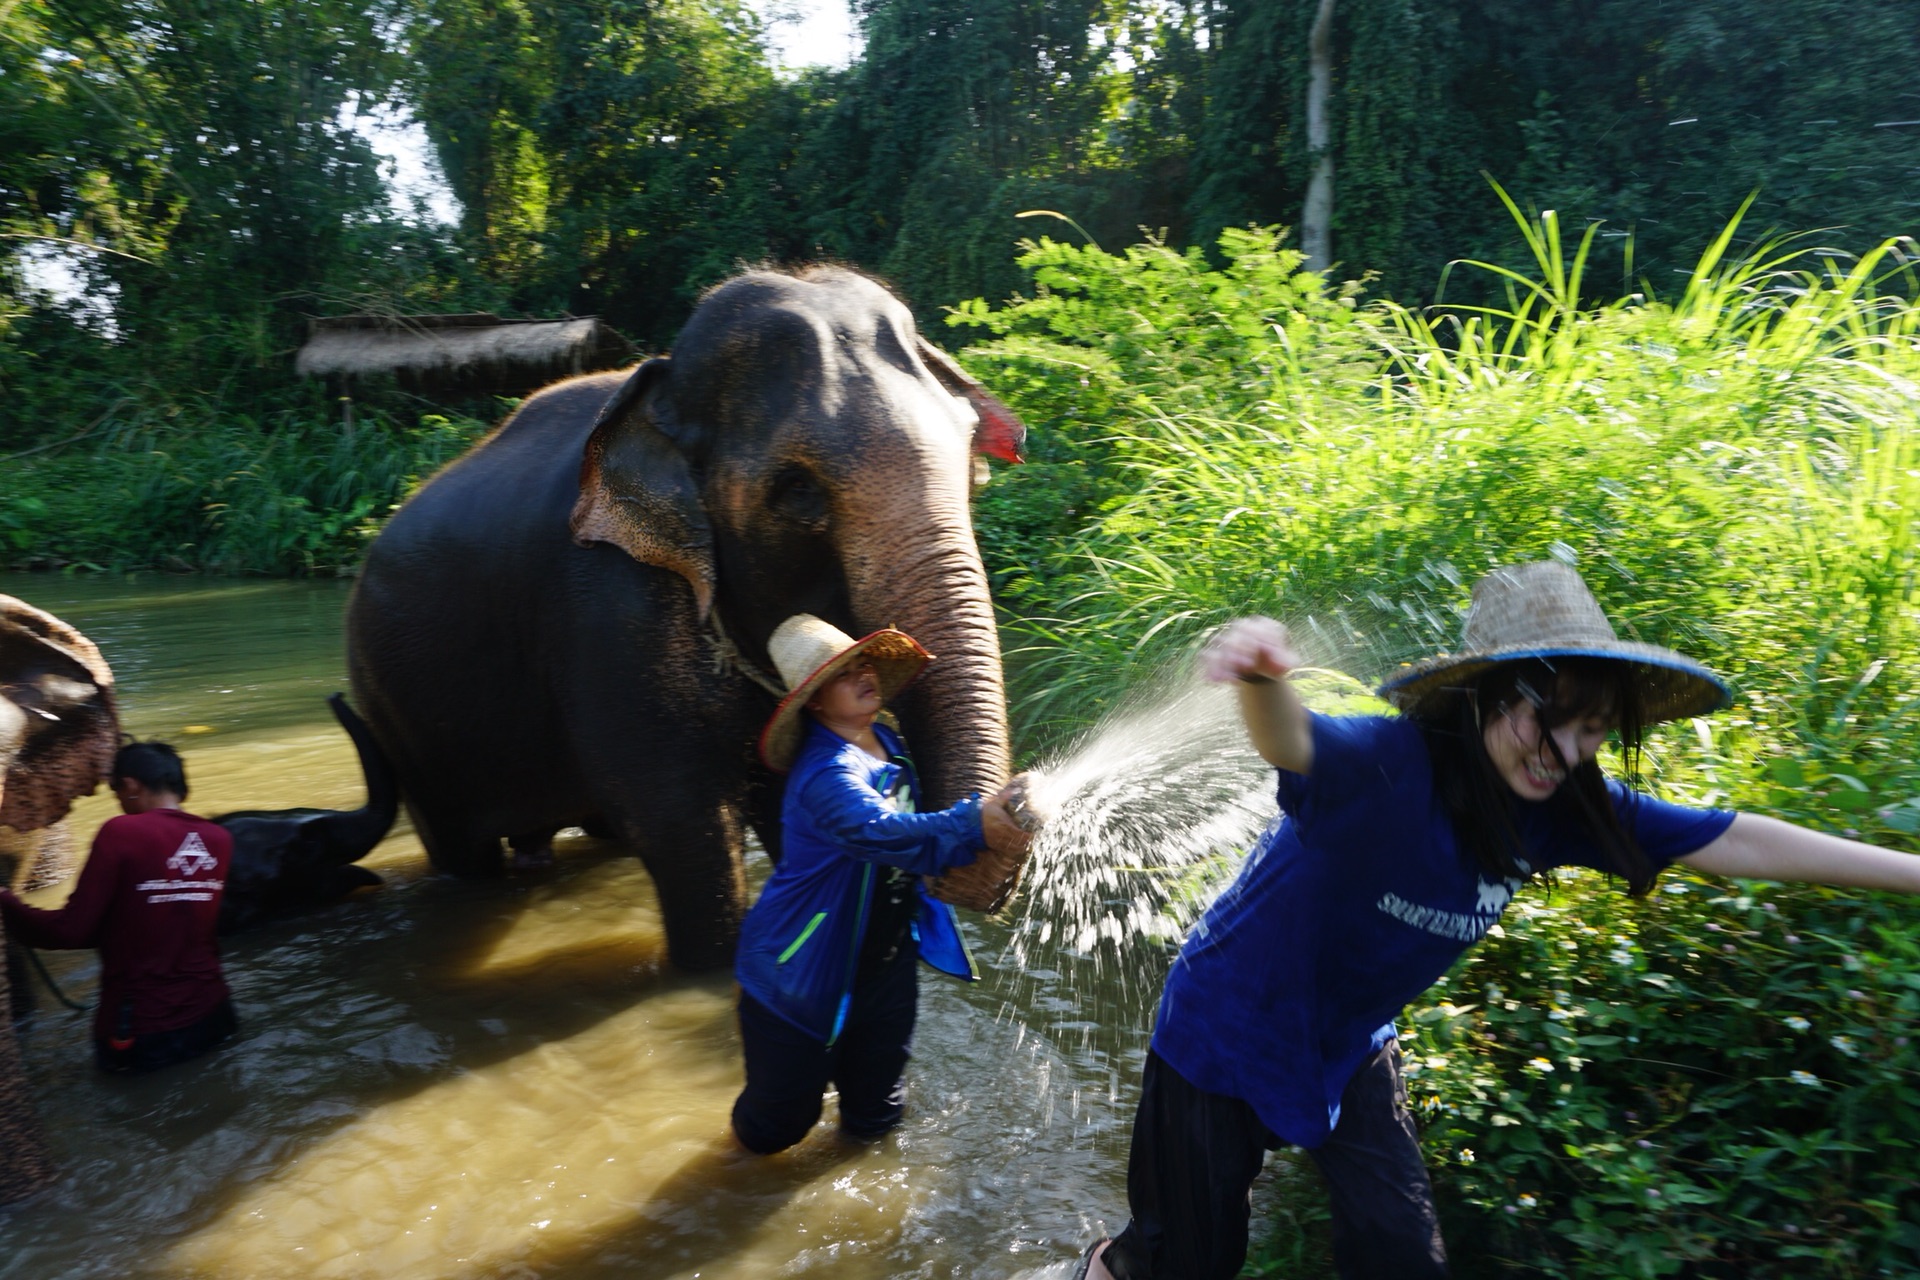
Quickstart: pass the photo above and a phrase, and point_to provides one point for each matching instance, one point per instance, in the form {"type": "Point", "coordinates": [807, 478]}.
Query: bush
{"type": "Point", "coordinates": [225, 496]}
{"type": "Point", "coordinates": [1736, 473]}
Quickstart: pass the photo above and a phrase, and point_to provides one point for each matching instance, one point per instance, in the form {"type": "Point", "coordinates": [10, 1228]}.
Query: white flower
{"type": "Point", "coordinates": [1845, 1045]}
{"type": "Point", "coordinates": [1466, 1155]}
{"type": "Point", "coordinates": [1527, 1202]}
{"type": "Point", "coordinates": [1806, 1078]}
{"type": "Point", "coordinates": [1798, 1023]}
{"type": "Point", "coordinates": [1540, 1064]}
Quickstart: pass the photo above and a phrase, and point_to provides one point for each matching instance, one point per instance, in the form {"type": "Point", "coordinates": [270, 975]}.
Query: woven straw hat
{"type": "Point", "coordinates": [1544, 610]}
{"type": "Point", "coordinates": [808, 652]}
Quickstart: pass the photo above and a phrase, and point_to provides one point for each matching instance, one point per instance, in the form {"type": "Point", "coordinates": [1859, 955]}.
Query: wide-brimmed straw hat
{"type": "Point", "coordinates": [1544, 610]}
{"type": "Point", "coordinates": [808, 652]}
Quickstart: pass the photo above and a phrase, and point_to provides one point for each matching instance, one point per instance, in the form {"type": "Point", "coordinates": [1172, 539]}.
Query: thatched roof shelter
{"type": "Point", "coordinates": [474, 354]}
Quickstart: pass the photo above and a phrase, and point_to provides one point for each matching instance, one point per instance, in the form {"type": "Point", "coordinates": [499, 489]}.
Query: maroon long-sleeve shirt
{"type": "Point", "coordinates": [149, 900]}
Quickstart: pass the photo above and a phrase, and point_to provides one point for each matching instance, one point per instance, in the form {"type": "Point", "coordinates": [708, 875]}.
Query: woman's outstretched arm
{"type": "Point", "coordinates": [1257, 653]}
{"type": "Point", "coordinates": [1769, 849]}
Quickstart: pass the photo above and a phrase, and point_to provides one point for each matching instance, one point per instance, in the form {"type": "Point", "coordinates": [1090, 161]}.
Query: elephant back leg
{"type": "Point", "coordinates": [532, 850]}
{"type": "Point", "coordinates": [25, 1166]}
{"type": "Point", "coordinates": [454, 844]}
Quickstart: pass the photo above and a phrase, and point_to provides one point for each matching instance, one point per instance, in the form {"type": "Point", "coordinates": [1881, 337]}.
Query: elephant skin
{"type": "Point", "coordinates": [287, 860]}
{"type": "Point", "coordinates": [32, 860]}
{"type": "Point", "coordinates": [568, 625]}
{"type": "Point", "coordinates": [58, 733]}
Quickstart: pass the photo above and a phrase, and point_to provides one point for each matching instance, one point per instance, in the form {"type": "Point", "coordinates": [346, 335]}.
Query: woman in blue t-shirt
{"type": "Point", "coordinates": [1401, 841]}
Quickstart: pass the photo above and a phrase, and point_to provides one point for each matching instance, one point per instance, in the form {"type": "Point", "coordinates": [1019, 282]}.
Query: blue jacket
{"type": "Point", "coordinates": [801, 941]}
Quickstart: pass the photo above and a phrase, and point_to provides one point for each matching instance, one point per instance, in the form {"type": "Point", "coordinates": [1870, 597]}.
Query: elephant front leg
{"type": "Point", "coordinates": [20, 1001]}
{"type": "Point", "coordinates": [697, 871]}
{"type": "Point", "coordinates": [25, 1166]}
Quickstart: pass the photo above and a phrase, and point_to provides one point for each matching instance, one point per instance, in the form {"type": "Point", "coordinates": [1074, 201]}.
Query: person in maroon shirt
{"type": "Point", "coordinates": [148, 899]}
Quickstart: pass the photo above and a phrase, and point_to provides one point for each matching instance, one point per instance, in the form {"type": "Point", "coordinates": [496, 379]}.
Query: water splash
{"type": "Point", "coordinates": [1147, 816]}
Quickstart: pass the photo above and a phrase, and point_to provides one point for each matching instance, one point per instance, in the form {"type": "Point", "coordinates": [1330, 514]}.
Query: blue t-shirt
{"type": "Point", "coordinates": [1353, 903]}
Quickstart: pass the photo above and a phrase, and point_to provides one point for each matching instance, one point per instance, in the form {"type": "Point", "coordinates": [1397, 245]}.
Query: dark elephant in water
{"type": "Point", "coordinates": [568, 625]}
{"type": "Point", "coordinates": [286, 860]}
{"type": "Point", "coordinates": [58, 733]}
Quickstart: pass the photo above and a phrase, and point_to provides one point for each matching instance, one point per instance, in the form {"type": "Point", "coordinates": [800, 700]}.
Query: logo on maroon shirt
{"type": "Point", "coordinates": [191, 858]}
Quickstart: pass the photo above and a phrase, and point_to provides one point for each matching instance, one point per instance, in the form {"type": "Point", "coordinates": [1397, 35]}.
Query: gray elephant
{"type": "Point", "coordinates": [568, 626]}
{"type": "Point", "coordinates": [286, 860]}
{"type": "Point", "coordinates": [58, 732]}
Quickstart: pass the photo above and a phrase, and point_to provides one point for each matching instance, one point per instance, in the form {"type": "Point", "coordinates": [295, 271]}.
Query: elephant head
{"type": "Point", "coordinates": [58, 728]}
{"type": "Point", "coordinates": [58, 733]}
{"type": "Point", "coordinates": [803, 450]}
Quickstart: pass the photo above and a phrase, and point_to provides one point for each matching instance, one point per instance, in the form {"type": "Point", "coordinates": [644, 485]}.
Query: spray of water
{"type": "Point", "coordinates": [1145, 818]}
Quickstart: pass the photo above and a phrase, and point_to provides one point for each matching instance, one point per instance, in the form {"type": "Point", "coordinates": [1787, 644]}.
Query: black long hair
{"type": "Point", "coordinates": [1478, 799]}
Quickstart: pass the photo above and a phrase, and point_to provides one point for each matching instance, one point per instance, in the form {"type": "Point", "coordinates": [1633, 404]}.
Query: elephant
{"type": "Point", "coordinates": [58, 731]}
{"type": "Point", "coordinates": [285, 860]}
{"type": "Point", "coordinates": [568, 626]}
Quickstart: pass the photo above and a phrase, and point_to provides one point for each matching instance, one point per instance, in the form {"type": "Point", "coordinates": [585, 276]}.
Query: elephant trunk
{"type": "Point", "coordinates": [352, 833]}
{"type": "Point", "coordinates": [929, 582]}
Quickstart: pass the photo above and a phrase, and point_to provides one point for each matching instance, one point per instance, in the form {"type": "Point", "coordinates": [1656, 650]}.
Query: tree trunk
{"type": "Point", "coordinates": [1316, 220]}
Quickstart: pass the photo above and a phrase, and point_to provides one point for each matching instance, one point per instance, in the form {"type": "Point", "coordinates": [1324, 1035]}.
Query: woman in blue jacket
{"type": "Point", "coordinates": [828, 984]}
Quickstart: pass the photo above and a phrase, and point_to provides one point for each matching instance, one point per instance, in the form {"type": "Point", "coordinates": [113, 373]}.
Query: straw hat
{"type": "Point", "coordinates": [1544, 610]}
{"type": "Point", "coordinates": [808, 652]}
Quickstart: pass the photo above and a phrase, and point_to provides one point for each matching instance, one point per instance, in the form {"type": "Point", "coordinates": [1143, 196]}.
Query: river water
{"type": "Point", "coordinates": [448, 1078]}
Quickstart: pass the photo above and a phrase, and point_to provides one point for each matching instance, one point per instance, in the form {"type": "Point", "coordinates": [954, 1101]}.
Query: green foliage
{"type": "Point", "coordinates": [223, 496]}
{"type": "Point", "coordinates": [1736, 472]}
{"type": "Point", "coordinates": [1717, 1085]}
{"type": "Point", "coordinates": [615, 157]}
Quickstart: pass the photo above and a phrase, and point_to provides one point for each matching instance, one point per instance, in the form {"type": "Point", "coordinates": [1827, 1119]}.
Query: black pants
{"type": "Point", "coordinates": [788, 1070]}
{"type": "Point", "coordinates": [157, 1049]}
{"type": "Point", "coordinates": [1195, 1156]}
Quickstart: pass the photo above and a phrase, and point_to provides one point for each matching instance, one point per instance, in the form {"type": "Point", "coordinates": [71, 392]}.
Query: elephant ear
{"type": "Point", "coordinates": [1000, 434]}
{"type": "Point", "coordinates": [59, 692]}
{"type": "Point", "coordinates": [637, 489]}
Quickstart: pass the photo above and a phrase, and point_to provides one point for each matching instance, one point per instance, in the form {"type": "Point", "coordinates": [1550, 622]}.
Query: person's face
{"type": "Point", "coordinates": [854, 694]}
{"type": "Point", "coordinates": [1518, 747]}
{"type": "Point", "coordinates": [132, 795]}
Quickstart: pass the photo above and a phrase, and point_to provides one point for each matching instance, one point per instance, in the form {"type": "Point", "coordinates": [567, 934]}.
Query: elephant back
{"type": "Point", "coordinates": [63, 691]}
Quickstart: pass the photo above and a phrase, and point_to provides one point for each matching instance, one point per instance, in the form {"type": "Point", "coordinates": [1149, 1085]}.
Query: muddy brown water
{"type": "Point", "coordinates": [452, 1078]}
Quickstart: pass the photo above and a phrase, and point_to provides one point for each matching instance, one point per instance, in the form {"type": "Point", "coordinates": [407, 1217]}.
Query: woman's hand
{"type": "Point", "coordinates": [997, 825]}
{"type": "Point", "coordinates": [1251, 649]}
{"type": "Point", "coordinates": [1258, 653]}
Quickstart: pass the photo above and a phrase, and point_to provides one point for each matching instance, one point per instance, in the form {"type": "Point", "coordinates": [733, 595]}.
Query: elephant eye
{"type": "Point", "coordinates": [797, 495]}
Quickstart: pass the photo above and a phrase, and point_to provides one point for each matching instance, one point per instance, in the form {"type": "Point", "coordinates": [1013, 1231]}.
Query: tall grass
{"type": "Point", "coordinates": [1735, 470]}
